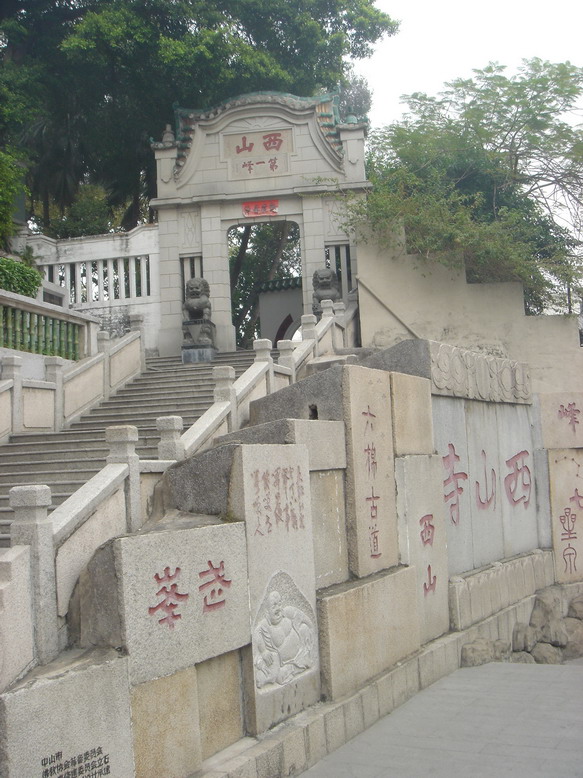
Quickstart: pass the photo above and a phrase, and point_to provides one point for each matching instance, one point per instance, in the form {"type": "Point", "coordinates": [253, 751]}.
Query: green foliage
{"type": "Point", "coordinates": [89, 214]}
{"type": "Point", "coordinates": [18, 278]}
{"type": "Point", "coordinates": [489, 174]}
{"type": "Point", "coordinates": [11, 175]}
{"type": "Point", "coordinates": [88, 83]}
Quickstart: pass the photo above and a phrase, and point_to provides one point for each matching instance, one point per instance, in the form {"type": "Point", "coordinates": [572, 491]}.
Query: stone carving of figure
{"type": "Point", "coordinates": [197, 304]}
{"type": "Point", "coordinates": [197, 311]}
{"type": "Point", "coordinates": [326, 287]}
{"type": "Point", "coordinates": [285, 640]}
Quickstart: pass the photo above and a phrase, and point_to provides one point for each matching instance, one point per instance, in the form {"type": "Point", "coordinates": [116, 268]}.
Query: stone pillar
{"type": "Point", "coordinates": [308, 330]}
{"type": "Point", "coordinates": [12, 369]}
{"type": "Point", "coordinates": [31, 527]}
{"type": "Point", "coordinates": [137, 325]}
{"type": "Point", "coordinates": [327, 309]}
{"type": "Point", "coordinates": [91, 330]}
{"type": "Point", "coordinates": [54, 367]}
{"type": "Point", "coordinates": [170, 445]}
{"type": "Point", "coordinates": [262, 349]}
{"type": "Point", "coordinates": [286, 350]}
{"type": "Point", "coordinates": [339, 329]}
{"type": "Point", "coordinates": [224, 378]}
{"type": "Point", "coordinates": [122, 441]}
{"type": "Point", "coordinates": [103, 346]}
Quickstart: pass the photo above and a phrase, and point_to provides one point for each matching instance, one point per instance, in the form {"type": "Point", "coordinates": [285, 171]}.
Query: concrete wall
{"type": "Point", "coordinates": [403, 296]}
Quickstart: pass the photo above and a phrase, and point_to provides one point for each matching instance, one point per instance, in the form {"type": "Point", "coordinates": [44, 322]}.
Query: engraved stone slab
{"type": "Point", "coordinates": [422, 538]}
{"type": "Point", "coordinates": [517, 484]}
{"type": "Point", "coordinates": [182, 597]}
{"type": "Point", "coordinates": [71, 714]}
{"type": "Point", "coordinates": [566, 477]}
{"type": "Point", "coordinates": [562, 419]}
{"type": "Point", "coordinates": [270, 489]}
{"type": "Point", "coordinates": [451, 444]}
{"type": "Point", "coordinates": [483, 484]}
{"type": "Point", "coordinates": [370, 481]}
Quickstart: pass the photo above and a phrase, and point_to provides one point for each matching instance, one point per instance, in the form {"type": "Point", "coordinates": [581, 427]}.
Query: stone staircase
{"type": "Point", "coordinates": [66, 460]}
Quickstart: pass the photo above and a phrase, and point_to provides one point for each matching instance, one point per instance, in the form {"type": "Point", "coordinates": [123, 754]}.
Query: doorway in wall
{"type": "Point", "coordinates": [258, 254]}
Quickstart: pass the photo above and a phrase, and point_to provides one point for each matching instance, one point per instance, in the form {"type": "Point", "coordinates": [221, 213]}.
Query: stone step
{"type": "Point", "coordinates": [138, 408]}
{"type": "Point", "coordinates": [54, 465]}
{"type": "Point", "coordinates": [80, 452]}
{"type": "Point", "coordinates": [66, 460]}
{"type": "Point", "coordinates": [42, 476]}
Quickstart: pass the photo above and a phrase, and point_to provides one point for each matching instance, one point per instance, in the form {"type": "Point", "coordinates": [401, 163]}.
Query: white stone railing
{"type": "Point", "coordinates": [111, 269]}
{"type": "Point", "coordinates": [67, 389]}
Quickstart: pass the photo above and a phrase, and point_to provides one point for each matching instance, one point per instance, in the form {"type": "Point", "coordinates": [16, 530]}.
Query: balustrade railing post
{"type": "Point", "coordinates": [170, 445]}
{"type": "Point", "coordinates": [54, 368]}
{"type": "Point", "coordinates": [286, 350]}
{"type": "Point", "coordinates": [224, 391]}
{"type": "Point", "coordinates": [103, 346]}
{"type": "Point", "coordinates": [31, 527]}
{"type": "Point", "coordinates": [12, 369]}
{"type": "Point", "coordinates": [308, 330]}
{"type": "Point", "coordinates": [137, 325]}
{"type": "Point", "coordinates": [339, 323]}
{"type": "Point", "coordinates": [262, 348]}
{"type": "Point", "coordinates": [122, 441]}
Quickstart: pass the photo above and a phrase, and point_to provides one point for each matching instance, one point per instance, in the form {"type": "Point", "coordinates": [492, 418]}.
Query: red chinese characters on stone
{"type": "Point", "coordinates": [452, 495]}
{"type": "Point", "coordinates": [171, 598]}
{"type": "Point", "coordinates": [489, 496]}
{"type": "Point", "coordinates": [431, 582]}
{"type": "Point", "coordinates": [427, 529]}
{"type": "Point", "coordinates": [570, 412]}
{"type": "Point", "coordinates": [272, 140]}
{"type": "Point", "coordinates": [518, 483]}
{"type": "Point", "coordinates": [577, 499]}
{"type": "Point", "coordinates": [279, 499]}
{"type": "Point", "coordinates": [261, 208]}
{"type": "Point", "coordinates": [370, 455]}
{"type": "Point", "coordinates": [214, 587]}
{"type": "Point", "coordinates": [568, 519]}
{"type": "Point", "coordinates": [570, 559]}
{"type": "Point", "coordinates": [373, 527]}
{"type": "Point", "coordinates": [244, 146]}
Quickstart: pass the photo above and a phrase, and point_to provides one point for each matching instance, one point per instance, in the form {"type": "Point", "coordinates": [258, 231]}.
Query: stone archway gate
{"type": "Point", "coordinates": [256, 158]}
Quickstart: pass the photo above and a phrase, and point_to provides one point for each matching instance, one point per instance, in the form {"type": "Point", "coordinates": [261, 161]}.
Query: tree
{"type": "Point", "coordinates": [92, 80]}
{"type": "Point", "coordinates": [259, 253]}
{"type": "Point", "coordinates": [491, 173]}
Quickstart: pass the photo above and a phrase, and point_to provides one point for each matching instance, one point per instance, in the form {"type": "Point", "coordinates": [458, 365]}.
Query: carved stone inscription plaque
{"type": "Point", "coordinates": [270, 489]}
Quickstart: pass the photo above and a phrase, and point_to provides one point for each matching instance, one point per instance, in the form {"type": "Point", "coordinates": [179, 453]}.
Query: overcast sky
{"type": "Point", "coordinates": [440, 41]}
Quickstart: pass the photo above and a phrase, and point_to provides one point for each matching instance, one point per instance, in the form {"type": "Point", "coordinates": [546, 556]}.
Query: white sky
{"type": "Point", "coordinates": [440, 41]}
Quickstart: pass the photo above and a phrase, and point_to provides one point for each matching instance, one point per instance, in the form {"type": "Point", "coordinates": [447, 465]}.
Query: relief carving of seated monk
{"type": "Point", "coordinates": [285, 640]}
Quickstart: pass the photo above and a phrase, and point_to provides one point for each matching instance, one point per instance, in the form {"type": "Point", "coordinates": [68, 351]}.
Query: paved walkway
{"type": "Point", "coordinates": [498, 720]}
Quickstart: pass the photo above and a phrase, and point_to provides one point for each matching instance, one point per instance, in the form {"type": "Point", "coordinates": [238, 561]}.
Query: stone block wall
{"type": "Point", "coordinates": [299, 584]}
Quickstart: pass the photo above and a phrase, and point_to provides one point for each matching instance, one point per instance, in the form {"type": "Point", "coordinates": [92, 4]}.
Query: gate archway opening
{"type": "Point", "coordinates": [264, 256]}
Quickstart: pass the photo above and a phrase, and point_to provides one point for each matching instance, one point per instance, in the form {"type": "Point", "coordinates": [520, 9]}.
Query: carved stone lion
{"type": "Point", "coordinates": [197, 304]}
{"type": "Point", "coordinates": [326, 287]}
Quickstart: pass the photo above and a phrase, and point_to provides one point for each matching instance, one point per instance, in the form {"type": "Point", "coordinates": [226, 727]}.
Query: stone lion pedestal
{"type": "Point", "coordinates": [198, 331]}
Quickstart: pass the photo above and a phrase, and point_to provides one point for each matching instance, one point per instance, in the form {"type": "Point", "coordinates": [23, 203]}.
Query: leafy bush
{"type": "Point", "coordinates": [18, 278]}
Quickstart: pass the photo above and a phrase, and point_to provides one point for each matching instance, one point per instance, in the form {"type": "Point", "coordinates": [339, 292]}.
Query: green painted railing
{"type": "Point", "coordinates": [39, 333]}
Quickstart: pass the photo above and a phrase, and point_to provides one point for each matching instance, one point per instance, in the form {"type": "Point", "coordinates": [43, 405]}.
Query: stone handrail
{"type": "Point", "coordinates": [60, 545]}
{"type": "Point", "coordinates": [67, 390]}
